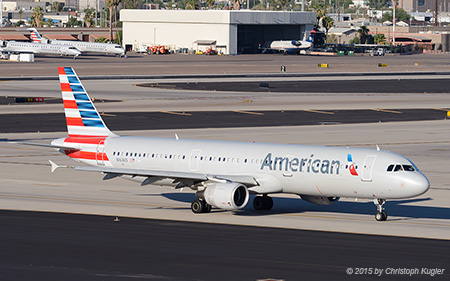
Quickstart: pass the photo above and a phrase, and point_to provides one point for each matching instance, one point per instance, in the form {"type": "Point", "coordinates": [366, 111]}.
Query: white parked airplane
{"type": "Point", "coordinates": [287, 46]}
{"type": "Point", "coordinates": [223, 173]}
{"type": "Point", "coordinates": [84, 47]}
{"type": "Point", "coordinates": [35, 48]}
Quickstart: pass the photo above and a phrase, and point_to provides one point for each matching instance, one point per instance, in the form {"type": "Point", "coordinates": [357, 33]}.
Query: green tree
{"type": "Point", "coordinates": [89, 16]}
{"type": "Point", "coordinates": [101, 40]}
{"type": "Point", "coordinates": [379, 39]}
{"type": "Point", "coordinates": [327, 23]}
{"type": "Point", "coordinates": [20, 14]}
{"type": "Point", "coordinates": [19, 23]}
{"type": "Point", "coordinates": [400, 15]}
{"type": "Point", "coordinates": [377, 4]}
{"type": "Point", "coordinates": [110, 4]}
{"type": "Point", "coordinates": [73, 21]}
{"type": "Point", "coordinates": [57, 7]}
{"type": "Point", "coordinates": [331, 39]}
{"type": "Point", "coordinates": [363, 33]}
{"type": "Point", "coordinates": [49, 22]}
{"type": "Point", "coordinates": [37, 17]}
{"type": "Point", "coordinates": [210, 3]}
{"type": "Point", "coordinates": [355, 40]}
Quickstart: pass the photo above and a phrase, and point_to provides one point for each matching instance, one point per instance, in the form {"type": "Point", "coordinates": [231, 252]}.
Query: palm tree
{"type": "Point", "coordinates": [37, 16]}
{"type": "Point", "coordinates": [363, 33]}
{"type": "Point", "coordinates": [237, 5]}
{"type": "Point", "coordinates": [327, 23]}
{"type": "Point", "coordinates": [110, 5]}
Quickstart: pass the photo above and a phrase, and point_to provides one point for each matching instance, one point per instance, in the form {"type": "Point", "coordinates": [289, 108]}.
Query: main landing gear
{"type": "Point", "coordinates": [381, 215]}
{"type": "Point", "coordinates": [263, 202]}
{"type": "Point", "coordinates": [200, 206]}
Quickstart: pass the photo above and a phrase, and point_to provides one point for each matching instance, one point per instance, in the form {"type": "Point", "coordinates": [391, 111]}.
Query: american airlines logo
{"type": "Point", "coordinates": [305, 165]}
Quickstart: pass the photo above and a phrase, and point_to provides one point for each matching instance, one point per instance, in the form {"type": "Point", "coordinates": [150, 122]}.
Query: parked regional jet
{"type": "Point", "coordinates": [224, 173]}
{"type": "Point", "coordinates": [35, 48]}
{"type": "Point", "coordinates": [287, 46]}
{"type": "Point", "coordinates": [84, 47]}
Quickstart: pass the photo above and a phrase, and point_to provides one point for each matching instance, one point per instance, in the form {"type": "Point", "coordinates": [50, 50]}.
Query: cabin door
{"type": "Point", "coordinates": [100, 153]}
{"type": "Point", "coordinates": [194, 159]}
{"type": "Point", "coordinates": [368, 168]}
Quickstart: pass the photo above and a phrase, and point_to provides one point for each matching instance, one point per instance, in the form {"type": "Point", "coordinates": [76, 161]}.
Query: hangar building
{"type": "Point", "coordinates": [230, 31]}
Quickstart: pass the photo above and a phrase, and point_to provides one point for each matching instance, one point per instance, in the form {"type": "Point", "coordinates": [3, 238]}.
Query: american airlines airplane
{"type": "Point", "coordinates": [84, 47]}
{"type": "Point", "coordinates": [35, 48]}
{"type": "Point", "coordinates": [224, 173]}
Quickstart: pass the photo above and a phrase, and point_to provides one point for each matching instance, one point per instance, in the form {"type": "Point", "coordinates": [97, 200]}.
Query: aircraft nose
{"type": "Point", "coordinates": [421, 184]}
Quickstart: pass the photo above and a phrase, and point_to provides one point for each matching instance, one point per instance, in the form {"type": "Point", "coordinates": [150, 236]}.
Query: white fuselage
{"type": "Point", "coordinates": [297, 169]}
{"type": "Point", "coordinates": [92, 47]}
{"type": "Point", "coordinates": [287, 45]}
{"type": "Point", "coordinates": [37, 48]}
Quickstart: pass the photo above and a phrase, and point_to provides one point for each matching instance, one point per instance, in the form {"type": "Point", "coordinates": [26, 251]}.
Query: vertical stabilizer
{"type": "Point", "coordinates": [35, 36]}
{"type": "Point", "coordinates": [82, 117]}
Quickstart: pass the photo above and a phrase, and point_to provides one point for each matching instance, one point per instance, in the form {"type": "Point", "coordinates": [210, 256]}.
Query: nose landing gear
{"type": "Point", "coordinates": [381, 215]}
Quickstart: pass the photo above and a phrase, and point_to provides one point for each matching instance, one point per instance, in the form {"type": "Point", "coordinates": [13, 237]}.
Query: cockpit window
{"type": "Point", "coordinates": [398, 168]}
{"type": "Point", "coordinates": [408, 168]}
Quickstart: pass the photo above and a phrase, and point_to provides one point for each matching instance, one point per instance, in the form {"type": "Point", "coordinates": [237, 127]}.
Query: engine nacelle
{"type": "Point", "coordinates": [320, 200]}
{"type": "Point", "coordinates": [228, 196]}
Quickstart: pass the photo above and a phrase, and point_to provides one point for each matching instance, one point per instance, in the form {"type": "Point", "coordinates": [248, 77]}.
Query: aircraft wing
{"type": "Point", "coordinates": [182, 178]}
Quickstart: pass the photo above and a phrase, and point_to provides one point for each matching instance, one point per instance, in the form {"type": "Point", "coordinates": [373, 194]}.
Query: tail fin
{"type": "Point", "coordinates": [82, 118]}
{"type": "Point", "coordinates": [35, 36]}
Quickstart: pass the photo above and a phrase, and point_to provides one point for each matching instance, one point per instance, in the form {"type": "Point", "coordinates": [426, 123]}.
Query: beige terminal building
{"type": "Point", "coordinates": [230, 32]}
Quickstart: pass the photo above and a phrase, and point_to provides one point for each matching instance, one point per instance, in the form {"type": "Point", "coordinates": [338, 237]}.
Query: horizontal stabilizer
{"type": "Point", "coordinates": [56, 166]}
{"type": "Point", "coordinates": [46, 145]}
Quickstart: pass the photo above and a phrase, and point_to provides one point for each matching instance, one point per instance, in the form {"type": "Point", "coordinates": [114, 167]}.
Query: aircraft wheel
{"type": "Point", "coordinates": [258, 203]}
{"type": "Point", "coordinates": [207, 208]}
{"type": "Point", "coordinates": [198, 206]}
{"type": "Point", "coordinates": [381, 216]}
{"type": "Point", "coordinates": [268, 203]}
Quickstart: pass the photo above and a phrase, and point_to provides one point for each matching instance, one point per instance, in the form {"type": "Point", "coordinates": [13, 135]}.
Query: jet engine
{"type": "Point", "coordinates": [228, 196]}
{"type": "Point", "coordinates": [320, 200]}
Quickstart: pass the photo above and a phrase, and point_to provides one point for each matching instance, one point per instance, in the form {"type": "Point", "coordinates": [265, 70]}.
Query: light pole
{"type": "Point", "coordinates": [394, 4]}
{"type": "Point", "coordinates": [1, 13]}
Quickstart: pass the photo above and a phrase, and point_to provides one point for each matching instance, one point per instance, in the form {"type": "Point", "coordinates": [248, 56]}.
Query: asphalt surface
{"type": "Point", "coordinates": [122, 121]}
{"type": "Point", "coordinates": [52, 246]}
{"type": "Point", "coordinates": [337, 86]}
{"type": "Point", "coordinates": [142, 64]}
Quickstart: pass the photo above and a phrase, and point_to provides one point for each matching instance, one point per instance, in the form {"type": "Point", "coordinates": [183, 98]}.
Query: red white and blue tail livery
{"type": "Point", "coordinates": [87, 131]}
{"type": "Point", "coordinates": [35, 36]}
{"type": "Point", "coordinates": [224, 173]}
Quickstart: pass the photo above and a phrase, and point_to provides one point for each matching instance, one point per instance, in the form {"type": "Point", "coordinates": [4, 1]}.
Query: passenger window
{"type": "Point", "coordinates": [390, 168]}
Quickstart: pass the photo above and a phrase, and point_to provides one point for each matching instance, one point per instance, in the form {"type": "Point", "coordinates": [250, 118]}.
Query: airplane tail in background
{"type": "Point", "coordinates": [35, 36]}
{"type": "Point", "coordinates": [82, 118]}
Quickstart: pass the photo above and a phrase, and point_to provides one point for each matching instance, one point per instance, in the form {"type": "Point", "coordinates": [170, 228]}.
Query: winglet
{"type": "Point", "coordinates": [54, 165]}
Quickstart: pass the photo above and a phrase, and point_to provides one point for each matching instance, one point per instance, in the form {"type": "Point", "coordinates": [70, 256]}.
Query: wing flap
{"type": "Point", "coordinates": [155, 175]}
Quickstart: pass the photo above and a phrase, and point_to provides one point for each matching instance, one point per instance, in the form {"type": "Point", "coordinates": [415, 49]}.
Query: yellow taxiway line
{"type": "Point", "coordinates": [176, 113]}
{"type": "Point", "coordinates": [248, 112]}
{"type": "Point", "coordinates": [386, 110]}
{"type": "Point", "coordinates": [317, 111]}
